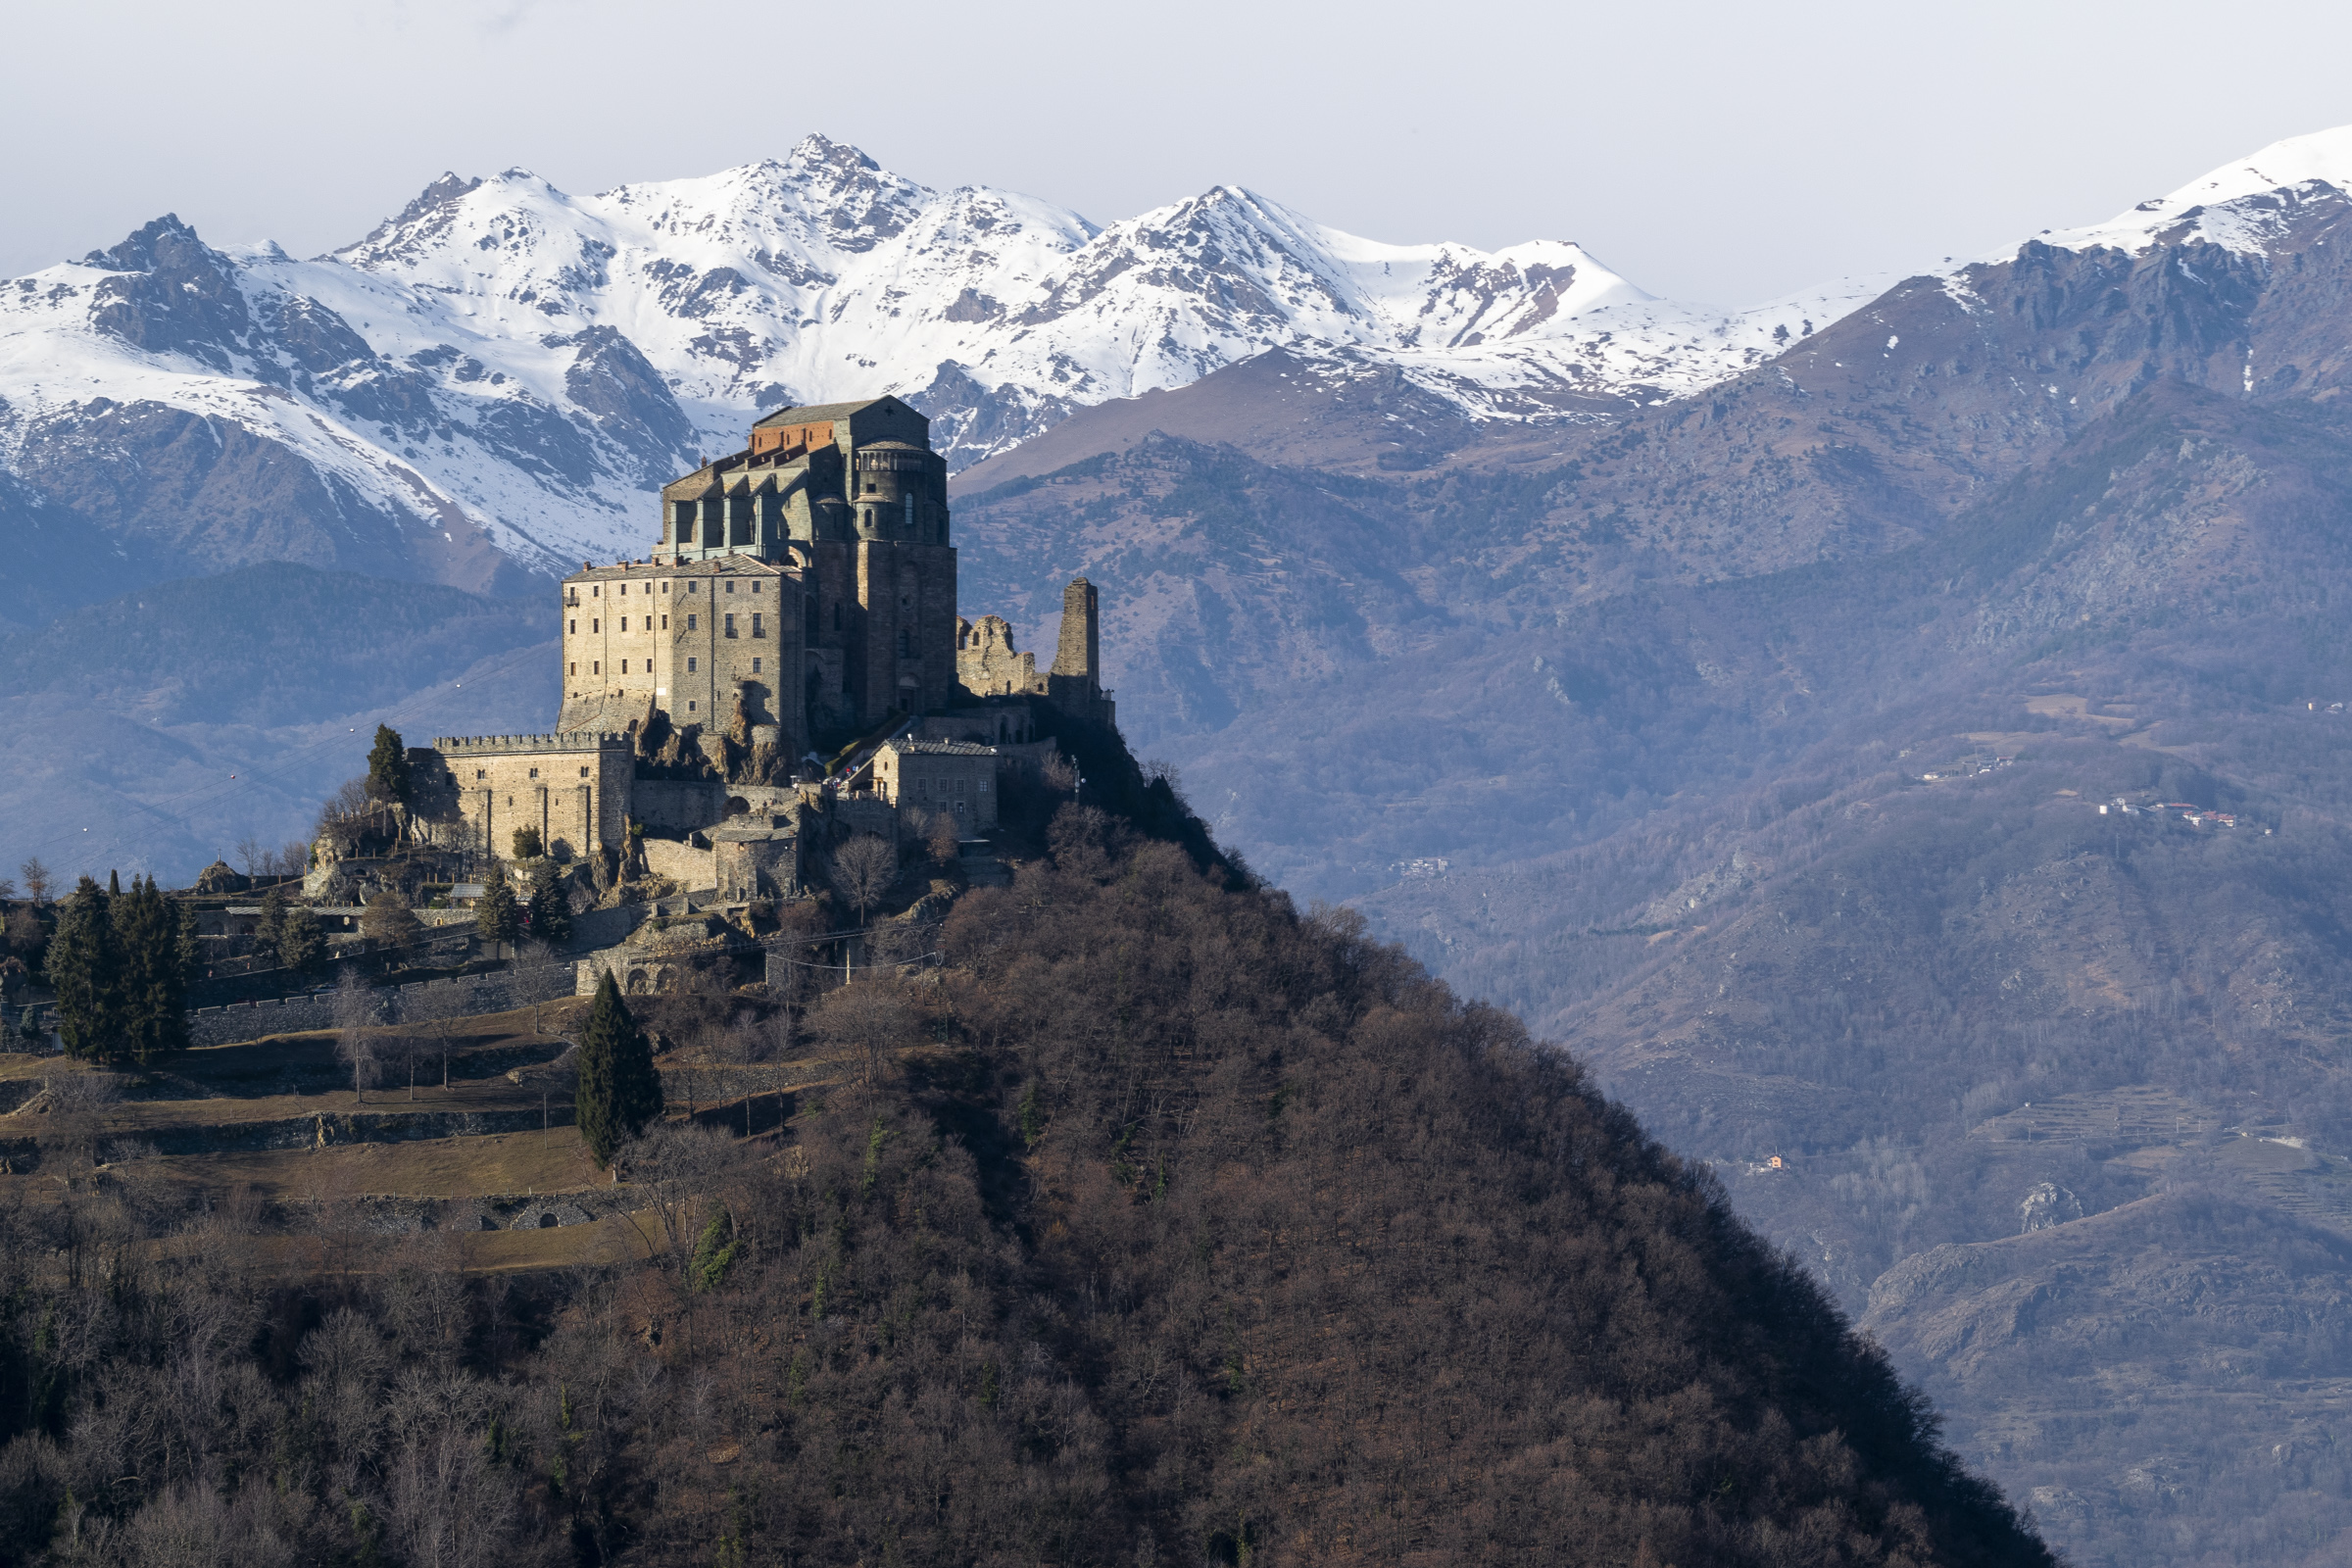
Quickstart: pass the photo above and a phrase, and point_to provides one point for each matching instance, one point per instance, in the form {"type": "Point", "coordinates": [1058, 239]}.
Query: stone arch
{"type": "Point", "coordinates": [637, 984]}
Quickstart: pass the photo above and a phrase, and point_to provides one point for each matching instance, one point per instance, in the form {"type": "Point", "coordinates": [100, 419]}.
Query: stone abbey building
{"type": "Point", "coordinates": [800, 596]}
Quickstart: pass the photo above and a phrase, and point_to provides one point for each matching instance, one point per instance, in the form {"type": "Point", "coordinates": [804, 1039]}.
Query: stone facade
{"type": "Point", "coordinates": [953, 777]}
{"type": "Point", "coordinates": [801, 594]}
{"type": "Point", "coordinates": [574, 788]}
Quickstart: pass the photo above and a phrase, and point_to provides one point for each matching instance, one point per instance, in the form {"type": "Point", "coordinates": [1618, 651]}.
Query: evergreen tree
{"type": "Point", "coordinates": [86, 969]}
{"type": "Point", "coordinates": [619, 1090]}
{"type": "Point", "coordinates": [269, 930]}
{"type": "Point", "coordinates": [388, 767]}
{"type": "Point", "coordinates": [551, 907]}
{"type": "Point", "coordinates": [153, 984]}
{"type": "Point", "coordinates": [188, 942]}
{"type": "Point", "coordinates": [299, 942]}
{"type": "Point", "coordinates": [528, 844]}
{"type": "Point", "coordinates": [387, 918]}
{"type": "Point", "coordinates": [496, 916]}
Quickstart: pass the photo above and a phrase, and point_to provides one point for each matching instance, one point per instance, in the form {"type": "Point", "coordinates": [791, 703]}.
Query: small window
{"type": "Point", "coordinates": [625, 624]}
{"type": "Point", "coordinates": [572, 626]}
{"type": "Point", "coordinates": [481, 773]}
{"type": "Point", "coordinates": [594, 592]}
{"type": "Point", "coordinates": [624, 588]}
{"type": "Point", "coordinates": [624, 667]}
{"type": "Point", "coordinates": [694, 587]}
{"type": "Point", "coordinates": [574, 668]}
{"type": "Point", "coordinates": [730, 587]}
{"type": "Point", "coordinates": [689, 707]}
{"type": "Point", "coordinates": [690, 667]}
{"type": "Point", "coordinates": [666, 623]}
{"type": "Point", "coordinates": [595, 626]}
{"type": "Point", "coordinates": [534, 773]}
{"type": "Point", "coordinates": [756, 631]}
{"type": "Point", "coordinates": [754, 587]}
{"type": "Point", "coordinates": [665, 587]}
{"type": "Point", "coordinates": [755, 667]}
{"type": "Point", "coordinates": [596, 666]}
{"type": "Point", "coordinates": [689, 620]}
{"type": "Point", "coordinates": [584, 770]}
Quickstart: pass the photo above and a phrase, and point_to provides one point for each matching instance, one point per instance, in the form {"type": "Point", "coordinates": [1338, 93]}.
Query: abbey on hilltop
{"type": "Point", "coordinates": [800, 600]}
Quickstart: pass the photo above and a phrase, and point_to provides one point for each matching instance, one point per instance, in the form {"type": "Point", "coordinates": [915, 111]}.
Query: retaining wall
{"type": "Point", "coordinates": [476, 994]}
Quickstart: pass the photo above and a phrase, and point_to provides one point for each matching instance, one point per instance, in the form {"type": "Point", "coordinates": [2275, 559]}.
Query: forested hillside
{"type": "Point", "coordinates": [1162, 1224]}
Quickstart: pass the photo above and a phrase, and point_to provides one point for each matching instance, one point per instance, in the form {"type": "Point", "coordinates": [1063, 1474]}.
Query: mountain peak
{"type": "Point", "coordinates": [166, 241]}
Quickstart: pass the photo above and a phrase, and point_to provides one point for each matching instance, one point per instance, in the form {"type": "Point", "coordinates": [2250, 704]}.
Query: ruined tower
{"type": "Point", "coordinates": [1075, 682]}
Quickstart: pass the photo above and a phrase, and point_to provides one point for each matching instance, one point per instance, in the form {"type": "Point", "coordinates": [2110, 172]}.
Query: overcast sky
{"type": "Point", "coordinates": [1717, 152]}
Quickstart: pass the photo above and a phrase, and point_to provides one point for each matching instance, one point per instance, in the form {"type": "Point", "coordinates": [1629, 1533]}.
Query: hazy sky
{"type": "Point", "coordinates": [1716, 152]}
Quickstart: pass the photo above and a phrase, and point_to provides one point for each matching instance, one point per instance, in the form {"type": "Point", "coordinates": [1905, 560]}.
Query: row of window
{"type": "Point", "coordinates": [482, 775]}
{"type": "Point", "coordinates": [596, 626]}
{"type": "Point", "coordinates": [596, 590]}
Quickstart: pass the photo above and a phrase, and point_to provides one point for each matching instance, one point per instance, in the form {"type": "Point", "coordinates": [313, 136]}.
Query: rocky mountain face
{"type": "Point", "coordinates": [1630, 727]}
{"type": "Point", "coordinates": [489, 385]}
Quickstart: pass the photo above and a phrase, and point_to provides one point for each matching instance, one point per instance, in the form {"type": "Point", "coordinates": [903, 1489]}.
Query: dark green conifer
{"type": "Point", "coordinates": [619, 1090]}
{"type": "Point", "coordinates": [388, 767]}
{"type": "Point", "coordinates": [268, 931]}
{"type": "Point", "coordinates": [153, 985]}
{"type": "Point", "coordinates": [86, 969]}
{"type": "Point", "coordinates": [299, 942]}
{"type": "Point", "coordinates": [497, 916]}
{"type": "Point", "coordinates": [550, 909]}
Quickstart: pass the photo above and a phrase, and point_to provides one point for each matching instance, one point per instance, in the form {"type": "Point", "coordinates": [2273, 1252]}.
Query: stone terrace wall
{"type": "Point", "coordinates": [476, 993]}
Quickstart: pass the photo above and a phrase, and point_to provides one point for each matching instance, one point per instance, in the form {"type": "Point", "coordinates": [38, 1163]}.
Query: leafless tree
{"type": "Point", "coordinates": [866, 1023]}
{"type": "Point", "coordinates": [354, 1047]}
{"type": "Point", "coordinates": [863, 871]}
{"type": "Point", "coordinates": [256, 858]}
{"type": "Point", "coordinates": [36, 880]}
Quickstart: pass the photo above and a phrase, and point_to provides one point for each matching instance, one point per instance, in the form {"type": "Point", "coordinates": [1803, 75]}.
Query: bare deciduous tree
{"type": "Point", "coordinates": [866, 1023]}
{"type": "Point", "coordinates": [863, 871]}
{"type": "Point", "coordinates": [355, 1047]}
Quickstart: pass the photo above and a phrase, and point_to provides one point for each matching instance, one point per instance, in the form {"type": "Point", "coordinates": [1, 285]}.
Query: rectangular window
{"type": "Point", "coordinates": [754, 587]}
{"type": "Point", "coordinates": [534, 773]}
{"type": "Point", "coordinates": [596, 666]}
{"type": "Point", "coordinates": [595, 626]}
{"type": "Point", "coordinates": [666, 623]}
{"type": "Point", "coordinates": [755, 667]}
{"type": "Point", "coordinates": [756, 631]}
{"type": "Point", "coordinates": [665, 587]}
{"type": "Point", "coordinates": [689, 707]}
{"type": "Point", "coordinates": [625, 624]}
{"type": "Point", "coordinates": [593, 592]}
{"type": "Point", "coordinates": [624, 667]}
{"type": "Point", "coordinates": [482, 772]}
{"type": "Point", "coordinates": [583, 772]}
{"type": "Point", "coordinates": [730, 587]}
{"type": "Point", "coordinates": [689, 620]}
{"type": "Point", "coordinates": [730, 626]}
{"type": "Point", "coordinates": [574, 668]}
{"type": "Point", "coordinates": [690, 667]}
{"type": "Point", "coordinates": [694, 587]}
{"type": "Point", "coordinates": [572, 626]}
{"type": "Point", "coordinates": [624, 587]}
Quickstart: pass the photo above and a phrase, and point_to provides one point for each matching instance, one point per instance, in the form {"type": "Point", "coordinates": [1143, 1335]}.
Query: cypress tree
{"type": "Point", "coordinates": [86, 969]}
{"type": "Point", "coordinates": [496, 916]}
{"type": "Point", "coordinates": [153, 984]}
{"type": "Point", "coordinates": [619, 1090]}
{"type": "Point", "coordinates": [551, 909]}
{"type": "Point", "coordinates": [388, 767]}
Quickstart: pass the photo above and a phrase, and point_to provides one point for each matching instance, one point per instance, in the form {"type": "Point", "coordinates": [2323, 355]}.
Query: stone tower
{"type": "Point", "coordinates": [1075, 683]}
{"type": "Point", "coordinates": [815, 563]}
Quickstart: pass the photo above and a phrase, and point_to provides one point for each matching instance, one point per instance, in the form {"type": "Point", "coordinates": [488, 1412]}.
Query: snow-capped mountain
{"type": "Point", "coordinates": [503, 371]}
